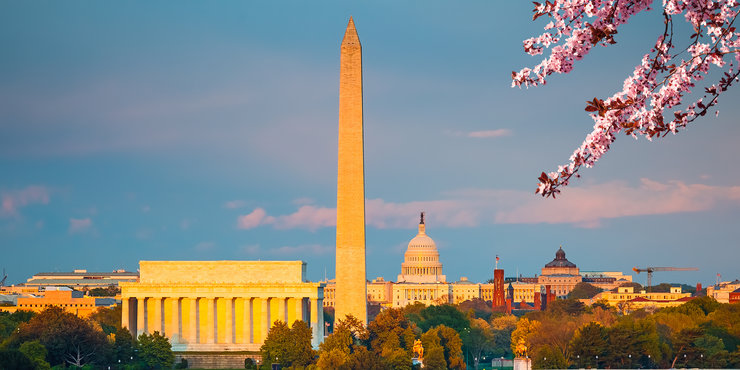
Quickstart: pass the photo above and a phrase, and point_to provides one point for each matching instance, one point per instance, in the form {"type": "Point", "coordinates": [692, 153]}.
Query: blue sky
{"type": "Point", "coordinates": [207, 131]}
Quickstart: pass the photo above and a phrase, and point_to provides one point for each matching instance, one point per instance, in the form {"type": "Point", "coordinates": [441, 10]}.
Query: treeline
{"type": "Point", "coordinates": [700, 333]}
{"type": "Point", "coordinates": [448, 336]}
{"type": "Point", "coordinates": [58, 339]}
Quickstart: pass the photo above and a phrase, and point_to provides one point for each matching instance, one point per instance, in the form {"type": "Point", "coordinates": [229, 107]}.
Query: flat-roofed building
{"type": "Point", "coordinates": [81, 279]}
{"type": "Point", "coordinates": [71, 301]}
{"type": "Point", "coordinates": [221, 306]}
{"type": "Point", "coordinates": [627, 300]}
{"type": "Point", "coordinates": [721, 292]}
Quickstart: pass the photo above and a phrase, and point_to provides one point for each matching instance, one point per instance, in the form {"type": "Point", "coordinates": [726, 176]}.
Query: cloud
{"type": "Point", "coordinates": [585, 206]}
{"type": "Point", "coordinates": [205, 246]}
{"type": "Point", "coordinates": [258, 217]}
{"type": "Point", "coordinates": [13, 201]}
{"type": "Point", "coordinates": [79, 225]}
{"type": "Point", "coordinates": [298, 250]}
{"type": "Point", "coordinates": [234, 204]}
{"type": "Point", "coordinates": [489, 133]}
{"type": "Point", "coordinates": [301, 250]}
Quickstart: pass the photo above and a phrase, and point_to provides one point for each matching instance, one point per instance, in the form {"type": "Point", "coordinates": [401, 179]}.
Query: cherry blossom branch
{"type": "Point", "coordinates": [658, 84]}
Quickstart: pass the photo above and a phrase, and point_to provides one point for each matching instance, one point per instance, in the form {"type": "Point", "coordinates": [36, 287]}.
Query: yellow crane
{"type": "Point", "coordinates": [650, 271]}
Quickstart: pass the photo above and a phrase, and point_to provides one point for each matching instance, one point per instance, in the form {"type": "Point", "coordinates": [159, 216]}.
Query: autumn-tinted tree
{"type": "Point", "coordinates": [68, 338]}
{"type": "Point", "coordinates": [390, 331]}
{"type": "Point", "coordinates": [109, 319]}
{"type": "Point", "coordinates": [155, 351]}
{"type": "Point", "coordinates": [363, 359]}
{"type": "Point", "coordinates": [450, 342]}
{"type": "Point", "coordinates": [349, 334]}
{"type": "Point", "coordinates": [584, 291]}
{"type": "Point", "coordinates": [480, 308]}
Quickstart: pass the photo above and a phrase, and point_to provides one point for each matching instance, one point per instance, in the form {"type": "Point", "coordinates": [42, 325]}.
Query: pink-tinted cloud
{"type": "Point", "coordinates": [490, 133]}
{"type": "Point", "coordinates": [14, 200]}
{"type": "Point", "coordinates": [205, 246]}
{"type": "Point", "coordinates": [256, 218]}
{"type": "Point", "coordinates": [234, 204]}
{"type": "Point", "coordinates": [308, 217]}
{"type": "Point", "coordinates": [587, 206]}
{"type": "Point", "coordinates": [79, 225]}
{"type": "Point", "coordinates": [301, 250]}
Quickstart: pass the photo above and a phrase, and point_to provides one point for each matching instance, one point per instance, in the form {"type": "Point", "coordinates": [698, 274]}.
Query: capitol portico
{"type": "Point", "coordinates": [220, 305]}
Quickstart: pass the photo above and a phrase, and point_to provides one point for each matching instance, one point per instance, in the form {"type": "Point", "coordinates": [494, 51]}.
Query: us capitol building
{"type": "Point", "coordinates": [422, 280]}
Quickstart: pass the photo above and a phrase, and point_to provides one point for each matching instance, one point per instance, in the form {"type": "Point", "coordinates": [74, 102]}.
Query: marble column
{"type": "Point", "coordinates": [247, 320]}
{"type": "Point", "coordinates": [298, 308]}
{"type": "Point", "coordinates": [210, 321]}
{"type": "Point", "coordinates": [315, 310]}
{"type": "Point", "coordinates": [193, 324]}
{"type": "Point", "coordinates": [125, 315]}
{"type": "Point", "coordinates": [140, 315]}
{"type": "Point", "coordinates": [281, 310]}
{"type": "Point", "coordinates": [175, 333]}
{"type": "Point", "coordinates": [157, 325]}
{"type": "Point", "coordinates": [229, 320]}
{"type": "Point", "coordinates": [265, 319]}
{"type": "Point", "coordinates": [322, 327]}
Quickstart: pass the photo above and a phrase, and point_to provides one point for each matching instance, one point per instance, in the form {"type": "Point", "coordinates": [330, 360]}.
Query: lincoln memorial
{"type": "Point", "coordinates": [218, 306]}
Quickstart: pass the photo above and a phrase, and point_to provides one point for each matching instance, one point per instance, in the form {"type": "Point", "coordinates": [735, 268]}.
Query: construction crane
{"type": "Point", "coordinates": [650, 271]}
{"type": "Point", "coordinates": [2, 282]}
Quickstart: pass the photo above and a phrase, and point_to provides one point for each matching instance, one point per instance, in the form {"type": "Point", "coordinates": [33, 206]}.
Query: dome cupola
{"type": "Point", "coordinates": [421, 260]}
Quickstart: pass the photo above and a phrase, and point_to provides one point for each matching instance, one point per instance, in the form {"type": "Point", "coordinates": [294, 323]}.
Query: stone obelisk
{"type": "Point", "coordinates": [351, 294]}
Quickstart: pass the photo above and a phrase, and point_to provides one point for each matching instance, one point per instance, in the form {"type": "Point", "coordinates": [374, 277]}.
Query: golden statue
{"type": "Point", "coordinates": [521, 349]}
{"type": "Point", "coordinates": [418, 349]}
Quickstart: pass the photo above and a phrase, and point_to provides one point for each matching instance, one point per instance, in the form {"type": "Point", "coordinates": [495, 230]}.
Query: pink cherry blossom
{"type": "Point", "coordinates": [647, 104]}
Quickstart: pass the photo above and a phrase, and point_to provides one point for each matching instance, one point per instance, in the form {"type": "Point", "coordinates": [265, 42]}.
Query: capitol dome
{"type": "Point", "coordinates": [421, 260]}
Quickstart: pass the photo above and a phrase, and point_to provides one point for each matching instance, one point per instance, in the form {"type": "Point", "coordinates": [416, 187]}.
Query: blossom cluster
{"type": "Point", "coordinates": [658, 85]}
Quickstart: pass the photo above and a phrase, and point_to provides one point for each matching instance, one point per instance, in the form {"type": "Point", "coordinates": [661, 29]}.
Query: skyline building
{"type": "Point", "coordinates": [351, 289]}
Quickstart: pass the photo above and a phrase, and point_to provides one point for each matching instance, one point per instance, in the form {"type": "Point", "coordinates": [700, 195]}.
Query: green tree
{"type": "Point", "coordinates": [589, 345]}
{"type": "Point", "coordinates": [124, 346]}
{"type": "Point", "coordinates": [549, 357]}
{"type": "Point", "coordinates": [584, 291]}
{"type": "Point", "coordinates": [9, 322]}
{"type": "Point", "coordinates": [447, 315]}
{"type": "Point", "coordinates": [301, 353]}
{"type": "Point", "coordinates": [155, 351]}
{"type": "Point", "coordinates": [288, 346]}
{"type": "Point", "coordinates": [477, 341]}
{"type": "Point", "coordinates": [36, 352]}
{"type": "Point", "coordinates": [15, 359]}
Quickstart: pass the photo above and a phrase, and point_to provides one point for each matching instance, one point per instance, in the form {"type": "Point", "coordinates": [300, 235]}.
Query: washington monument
{"type": "Point", "coordinates": [351, 293]}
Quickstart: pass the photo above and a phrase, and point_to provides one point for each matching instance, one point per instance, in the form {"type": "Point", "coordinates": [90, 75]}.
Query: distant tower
{"type": "Point", "coordinates": [351, 291]}
{"type": "Point", "coordinates": [498, 288]}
